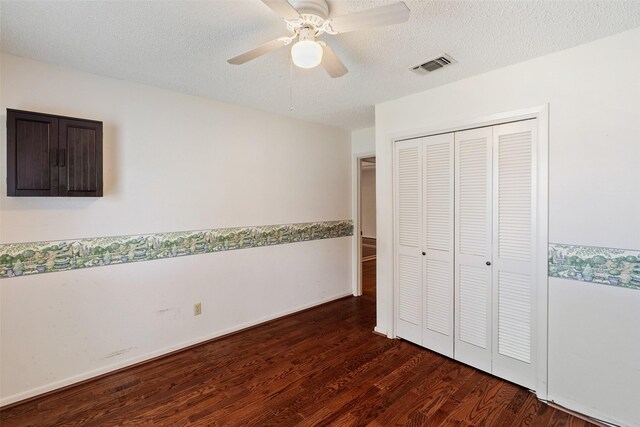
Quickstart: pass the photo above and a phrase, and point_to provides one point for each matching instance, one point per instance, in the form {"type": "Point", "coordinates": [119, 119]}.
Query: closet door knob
{"type": "Point", "coordinates": [488, 263]}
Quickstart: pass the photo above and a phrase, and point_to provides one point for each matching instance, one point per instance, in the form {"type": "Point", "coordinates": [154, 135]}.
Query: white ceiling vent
{"type": "Point", "coordinates": [434, 64]}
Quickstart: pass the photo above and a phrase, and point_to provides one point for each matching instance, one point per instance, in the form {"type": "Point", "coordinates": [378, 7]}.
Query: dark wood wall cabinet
{"type": "Point", "coordinates": [52, 156]}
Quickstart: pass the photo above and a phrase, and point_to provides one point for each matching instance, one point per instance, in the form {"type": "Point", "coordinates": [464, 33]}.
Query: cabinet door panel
{"type": "Point", "coordinates": [81, 158]}
{"type": "Point", "coordinates": [32, 142]}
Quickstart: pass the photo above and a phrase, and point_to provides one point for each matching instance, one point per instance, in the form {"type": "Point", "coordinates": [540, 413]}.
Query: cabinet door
{"type": "Point", "coordinates": [80, 158]}
{"type": "Point", "coordinates": [32, 154]}
{"type": "Point", "coordinates": [408, 214]}
{"type": "Point", "coordinates": [473, 290]}
{"type": "Point", "coordinates": [514, 251]}
{"type": "Point", "coordinates": [437, 191]}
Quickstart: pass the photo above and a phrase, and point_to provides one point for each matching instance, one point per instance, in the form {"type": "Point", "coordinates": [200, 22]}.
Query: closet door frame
{"type": "Point", "coordinates": [541, 113]}
{"type": "Point", "coordinates": [356, 263]}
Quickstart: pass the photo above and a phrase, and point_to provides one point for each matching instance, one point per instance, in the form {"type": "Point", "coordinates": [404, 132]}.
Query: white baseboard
{"type": "Point", "coordinates": [380, 331]}
{"type": "Point", "coordinates": [595, 416]}
{"type": "Point", "coordinates": [141, 358]}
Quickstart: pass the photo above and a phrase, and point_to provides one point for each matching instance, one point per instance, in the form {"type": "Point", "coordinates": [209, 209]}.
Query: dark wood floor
{"type": "Point", "coordinates": [368, 248]}
{"type": "Point", "coordinates": [320, 367]}
{"type": "Point", "coordinates": [369, 280]}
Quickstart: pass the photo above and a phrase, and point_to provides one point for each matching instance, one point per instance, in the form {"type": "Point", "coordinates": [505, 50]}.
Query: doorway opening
{"type": "Point", "coordinates": [367, 226]}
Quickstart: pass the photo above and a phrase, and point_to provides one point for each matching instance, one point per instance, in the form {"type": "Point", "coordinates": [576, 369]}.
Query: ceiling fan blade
{"type": "Point", "coordinates": [331, 63]}
{"type": "Point", "coordinates": [282, 8]}
{"type": "Point", "coordinates": [394, 13]}
{"type": "Point", "coordinates": [259, 51]}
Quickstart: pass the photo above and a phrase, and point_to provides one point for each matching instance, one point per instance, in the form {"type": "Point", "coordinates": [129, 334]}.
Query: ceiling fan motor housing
{"type": "Point", "coordinates": [313, 14]}
{"type": "Point", "coordinates": [315, 8]}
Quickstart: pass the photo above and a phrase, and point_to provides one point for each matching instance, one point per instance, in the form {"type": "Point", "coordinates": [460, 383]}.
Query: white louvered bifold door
{"type": "Point", "coordinates": [438, 203]}
{"type": "Point", "coordinates": [473, 220]}
{"type": "Point", "coordinates": [408, 232]}
{"type": "Point", "coordinates": [514, 231]}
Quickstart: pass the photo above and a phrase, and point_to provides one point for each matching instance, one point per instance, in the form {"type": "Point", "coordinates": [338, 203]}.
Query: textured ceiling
{"type": "Point", "coordinates": [183, 46]}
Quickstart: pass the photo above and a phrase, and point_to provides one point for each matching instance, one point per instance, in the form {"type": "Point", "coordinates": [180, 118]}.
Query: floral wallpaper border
{"type": "Point", "coordinates": [20, 259]}
{"type": "Point", "coordinates": [605, 266]}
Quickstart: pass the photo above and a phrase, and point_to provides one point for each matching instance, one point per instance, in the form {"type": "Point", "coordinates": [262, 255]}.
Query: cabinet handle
{"type": "Point", "coordinates": [62, 157]}
{"type": "Point", "coordinates": [488, 263]}
{"type": "Point", "coordinates": [424, 253]}
{"type": "Point", "coordinates": [54, 155]}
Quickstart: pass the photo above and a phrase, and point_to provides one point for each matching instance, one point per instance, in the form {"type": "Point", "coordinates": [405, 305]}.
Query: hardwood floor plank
{"type": "Point", "coordinates": [508, 415]}
{"type": "Point", "coordinates": [436, 389]}
{"type": "Point", "coordinates": [542, 417]}
{"type": "Point", "coordinates": [319, 367]}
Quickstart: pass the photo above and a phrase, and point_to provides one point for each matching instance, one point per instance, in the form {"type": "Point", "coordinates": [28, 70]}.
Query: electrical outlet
{"type": "Point", "coordinates": [197, 309]}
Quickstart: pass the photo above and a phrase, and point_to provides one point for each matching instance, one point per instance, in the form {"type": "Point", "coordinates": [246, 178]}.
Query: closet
{"type": "Point", "coordinates": [465, 246]}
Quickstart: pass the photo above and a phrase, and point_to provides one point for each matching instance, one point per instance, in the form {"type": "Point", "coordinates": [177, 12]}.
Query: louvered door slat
{"type": "Point", "coordinates": [408, 219]}
{"type": "Point", "coordinates": [410, 280]}
{"type": "Point", "coordinates": [473, 306]}
{"type": "Point", "coordinates": [513, 253]}
{"type": "Point", "coordinates": [408, 194]}
{"type": "Point", "coordinates": [438, 202]}
{"type": "Point", "coordinates": [514, 196]}
{"type": "Point", "coordinates": [514, 320]}
{"type": "Point", "coordinates": [438, 293]}
{"type": "Point", "coordinates": [473, 247]}
{"type": "Point", "coordinates": [472, 212]}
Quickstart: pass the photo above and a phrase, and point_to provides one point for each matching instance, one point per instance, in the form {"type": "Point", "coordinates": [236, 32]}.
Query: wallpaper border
{"type": "Point", "coordinates": [604, 266]}
{"type": "Point", "coordinates": [22, 259]}
{"type": "Point", "coordinates": [600, 265]}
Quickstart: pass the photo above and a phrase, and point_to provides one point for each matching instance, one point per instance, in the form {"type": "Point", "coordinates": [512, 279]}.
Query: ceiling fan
{"type": "Point", "coordinates": [308, 19]}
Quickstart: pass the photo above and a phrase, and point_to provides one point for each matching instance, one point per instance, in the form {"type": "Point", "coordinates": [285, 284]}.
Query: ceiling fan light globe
{"type": "Point", "coordinates": [306, 54]}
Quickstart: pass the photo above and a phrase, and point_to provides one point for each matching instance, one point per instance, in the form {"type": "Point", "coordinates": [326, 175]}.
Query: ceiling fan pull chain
{"type": "Point", "coordinates": [290, 82]}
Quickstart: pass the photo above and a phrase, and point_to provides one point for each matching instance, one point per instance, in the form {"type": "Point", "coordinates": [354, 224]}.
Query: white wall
{"type": "Point", "coordinates": [363, 141]}
{"type": "Point", "coordinates": [172, 162]}
{"type": "Point", "coordinates": [368, 200]}
{"type": "Point", "coordinates": [594, 341]}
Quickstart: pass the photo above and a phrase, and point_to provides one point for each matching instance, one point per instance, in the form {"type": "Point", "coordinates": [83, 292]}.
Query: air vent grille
{"type": "Point", "coordinates": [433, 64]}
